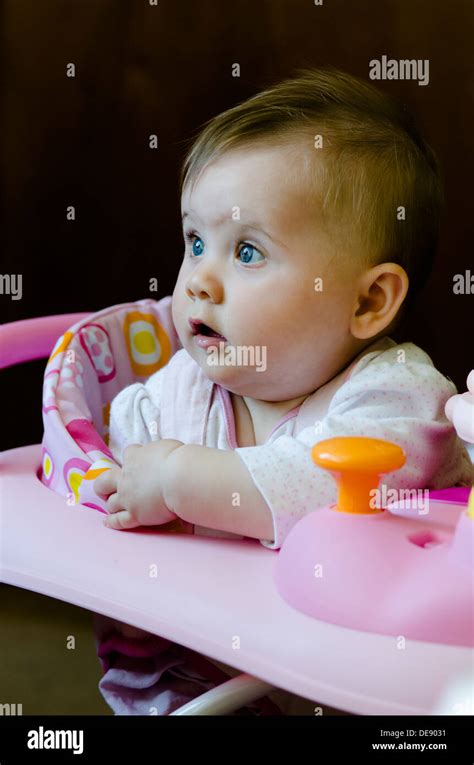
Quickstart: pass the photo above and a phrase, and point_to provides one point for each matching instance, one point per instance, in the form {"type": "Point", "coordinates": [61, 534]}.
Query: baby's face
{"type": "Point", "coordinates": [255, 248]}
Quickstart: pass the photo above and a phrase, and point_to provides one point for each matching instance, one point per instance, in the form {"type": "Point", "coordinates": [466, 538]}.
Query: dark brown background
{"type": "Point", "coordinates": [142, 69]}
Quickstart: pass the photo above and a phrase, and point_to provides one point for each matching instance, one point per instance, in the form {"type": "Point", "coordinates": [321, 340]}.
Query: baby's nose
{"type": "Point", "coordinates": [205, 284]}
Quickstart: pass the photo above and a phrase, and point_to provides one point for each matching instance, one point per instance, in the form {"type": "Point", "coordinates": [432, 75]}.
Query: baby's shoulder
{"type": "Point", "coordinates": [390, 352]}
{"type": "Point", "coordinates": [399, 362]}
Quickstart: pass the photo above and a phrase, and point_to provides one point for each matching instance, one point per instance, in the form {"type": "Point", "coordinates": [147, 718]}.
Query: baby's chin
{"type": "Point", "coordinates": [231, 377]}
{"type": "Point", "coordinates": [240, 379]}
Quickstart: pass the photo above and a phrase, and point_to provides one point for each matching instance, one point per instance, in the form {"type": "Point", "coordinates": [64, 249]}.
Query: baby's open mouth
{"type": "Point", "coordinates": [199, 328]}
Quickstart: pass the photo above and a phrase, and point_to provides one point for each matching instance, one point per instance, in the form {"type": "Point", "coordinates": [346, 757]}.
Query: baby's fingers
{"type": "Point", "coordinates": [107, 482]}
{"type": "Point", "coordinates": [113, 504]}
{"type": "Point", "coordinates": [121, 520]}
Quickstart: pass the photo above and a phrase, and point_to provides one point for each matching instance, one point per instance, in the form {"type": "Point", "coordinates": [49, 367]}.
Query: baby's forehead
{"type": "Point", "coordinates": [259, 159]}
{"type": "Point", "coordinates": [269, 182]}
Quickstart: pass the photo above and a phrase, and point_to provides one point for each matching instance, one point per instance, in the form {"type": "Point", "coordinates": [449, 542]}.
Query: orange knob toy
{"type": "Point", "coordinates": [357, 463]}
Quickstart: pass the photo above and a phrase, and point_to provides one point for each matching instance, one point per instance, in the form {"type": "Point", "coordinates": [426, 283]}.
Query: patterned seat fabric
{"type": "Point", "coordinates": [89, 365]}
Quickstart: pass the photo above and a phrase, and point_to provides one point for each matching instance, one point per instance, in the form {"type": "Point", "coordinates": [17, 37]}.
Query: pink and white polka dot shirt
{"type": "Point", "coordinates": [390, 391]}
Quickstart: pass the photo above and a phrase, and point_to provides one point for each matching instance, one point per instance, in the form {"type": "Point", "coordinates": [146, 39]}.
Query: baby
{"type": "Point", "coordinates": [310, 211]}
{"type": "Point", "coordinates": [310, 218]}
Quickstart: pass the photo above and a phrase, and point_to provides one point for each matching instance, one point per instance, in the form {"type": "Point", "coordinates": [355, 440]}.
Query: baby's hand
{"type": "Point", "coordinates": [135, 491]}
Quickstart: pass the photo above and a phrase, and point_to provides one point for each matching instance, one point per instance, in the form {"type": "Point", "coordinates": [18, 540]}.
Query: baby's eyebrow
{"type": "Point", "coordinates": [255, 226]}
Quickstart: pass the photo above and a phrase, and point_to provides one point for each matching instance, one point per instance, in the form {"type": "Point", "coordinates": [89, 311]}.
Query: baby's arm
{"type": "Point", "coordinates": [213, 488]}
{"type": "Point", "coordinates": [209, 487]}
{"type": "Point", "coordinates": [262, 491]}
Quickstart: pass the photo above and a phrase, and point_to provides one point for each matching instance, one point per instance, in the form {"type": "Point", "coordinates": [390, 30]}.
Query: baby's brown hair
{"type": "Point", "coordinates": [379, 182]}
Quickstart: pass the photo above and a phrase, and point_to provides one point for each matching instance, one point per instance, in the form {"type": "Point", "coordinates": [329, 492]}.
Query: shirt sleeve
{"type": "Point", "coordinates": [135, 415]}
{"type": "Point", "coordinates": [398, 402]}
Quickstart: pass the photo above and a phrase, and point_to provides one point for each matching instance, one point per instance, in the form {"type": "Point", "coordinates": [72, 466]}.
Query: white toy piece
{"type": "Point", "coordinates": [457, 698]}
{"type": "Point", "coordinates": [460, 410]}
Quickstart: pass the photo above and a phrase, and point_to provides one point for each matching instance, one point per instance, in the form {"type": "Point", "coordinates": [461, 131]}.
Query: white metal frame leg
{"type": "Point", "coordinates": [227, 697]}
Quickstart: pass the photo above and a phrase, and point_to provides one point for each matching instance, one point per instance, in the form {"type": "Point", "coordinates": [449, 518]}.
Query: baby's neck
{"type": "Point", "coordinates": [255, 420]}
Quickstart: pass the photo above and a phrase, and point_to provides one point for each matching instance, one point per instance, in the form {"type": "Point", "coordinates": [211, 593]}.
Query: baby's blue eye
{"type": "Point", "coordinates": [198, 246]}
{"type": "Point", "coordinates": [247, 251]}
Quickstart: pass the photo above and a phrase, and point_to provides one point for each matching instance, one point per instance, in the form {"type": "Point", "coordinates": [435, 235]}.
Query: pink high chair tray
{"type": "Point", "coordinates": [207, 592]}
